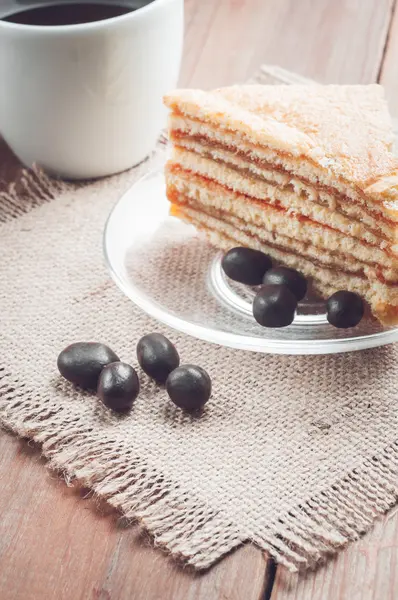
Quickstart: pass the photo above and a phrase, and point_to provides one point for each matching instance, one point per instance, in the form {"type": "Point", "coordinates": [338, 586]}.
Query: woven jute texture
{"type": "Point", "coordinates": [296, 454]}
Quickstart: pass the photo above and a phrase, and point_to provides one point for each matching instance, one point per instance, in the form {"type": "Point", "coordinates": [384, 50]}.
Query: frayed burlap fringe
{"type": "Point", "coordinates": [190, 531]}
{"type": "Point", "coordinates": [32, 189]}
{"type": "Point", "coordinates": [178, 522]}
{"type": "Point", "coordinates": [298, 455]}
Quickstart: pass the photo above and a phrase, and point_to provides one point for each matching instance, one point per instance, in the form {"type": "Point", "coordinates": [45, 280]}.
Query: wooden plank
{"type": "Point", "coordinates": [389, 70]}
{"type": "Point", "coordinates": [333, 42]}
{"type": "Point", "coordinates": [149, 575]}
{"type": "Point", "coordinates": [50, 544]}
{"type": "Point", "coordinates": [9, 165]}
{"type": "Point", "coordinates": [55, 544]}
{"type": "Point", "coordinates": [365, 570]}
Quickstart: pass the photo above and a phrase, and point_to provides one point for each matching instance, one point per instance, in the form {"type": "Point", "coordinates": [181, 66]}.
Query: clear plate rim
{"type": "Point", "coordinates": [231, 340]}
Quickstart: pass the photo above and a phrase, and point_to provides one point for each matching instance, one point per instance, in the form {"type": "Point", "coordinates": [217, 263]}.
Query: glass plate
{"type": "Point", "coordinates": [173, 274]}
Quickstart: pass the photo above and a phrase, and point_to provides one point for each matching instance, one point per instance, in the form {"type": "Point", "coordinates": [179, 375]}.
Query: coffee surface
{"type": "Point", "coordinates": [69, 14]}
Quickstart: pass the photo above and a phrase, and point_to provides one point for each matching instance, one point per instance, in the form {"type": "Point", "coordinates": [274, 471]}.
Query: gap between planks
{"type": "Point", "coordinates": [387, 40]}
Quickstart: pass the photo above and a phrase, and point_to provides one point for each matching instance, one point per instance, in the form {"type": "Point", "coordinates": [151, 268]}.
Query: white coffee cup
{"type": "Point", "coordinates": [85, 100]}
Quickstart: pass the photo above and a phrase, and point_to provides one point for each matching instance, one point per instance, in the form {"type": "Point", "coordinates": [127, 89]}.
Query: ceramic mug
{"type": "Point", "coordinates": [85, 100]}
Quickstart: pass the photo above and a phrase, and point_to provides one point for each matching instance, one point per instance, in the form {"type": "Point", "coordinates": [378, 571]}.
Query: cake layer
{"type": "Point", "coordinates": [275, 224]}
{"type": "Point", "coordinates": [242, 179]}
{"type": "Point", "coordinates": [182, 127]}
{"type": "Point", "coordinates": [383, 300]}
{"type": "Point", "coordinates": [340, 136]}
{"type": "Point", "coordinates": [280, 242]}
{"type": "Point", "coordinates": [303, 190]}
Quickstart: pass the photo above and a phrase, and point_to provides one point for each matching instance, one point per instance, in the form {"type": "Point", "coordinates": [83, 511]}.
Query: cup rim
{"type": "Point", "coordinates": [61, 29]}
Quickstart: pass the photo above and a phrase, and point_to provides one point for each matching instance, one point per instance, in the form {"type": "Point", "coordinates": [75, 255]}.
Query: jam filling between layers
{"type": "Point", "coordinates": [177, 136]}
{"type": "Point", "coordinates": [180, 201]}
{"type": "Point", "coordinates": [177, 169]}
{"type": "Point", "coordinates": [289, 187]}
{"type": "Point", "coordinates": [386, 313]}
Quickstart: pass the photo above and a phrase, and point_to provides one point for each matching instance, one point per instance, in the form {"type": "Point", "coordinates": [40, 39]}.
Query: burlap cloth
{"type": "Point", "coordinates": [297, 454]}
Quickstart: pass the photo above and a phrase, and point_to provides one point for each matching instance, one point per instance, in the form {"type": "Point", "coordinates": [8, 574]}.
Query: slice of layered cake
{"type": "Point", "coordinates": [304, 173]}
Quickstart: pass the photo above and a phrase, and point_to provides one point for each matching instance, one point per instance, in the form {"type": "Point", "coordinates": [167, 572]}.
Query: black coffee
{"type": "Point", "coordinates": [69, 14]}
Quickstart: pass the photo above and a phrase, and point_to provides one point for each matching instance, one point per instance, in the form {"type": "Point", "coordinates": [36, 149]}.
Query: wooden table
{"type": "Point", "coordinates": [55, 542]}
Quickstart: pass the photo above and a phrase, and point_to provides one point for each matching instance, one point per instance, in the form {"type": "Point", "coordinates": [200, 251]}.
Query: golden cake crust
{"type": "Point", "coordinates": [345, 130]}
